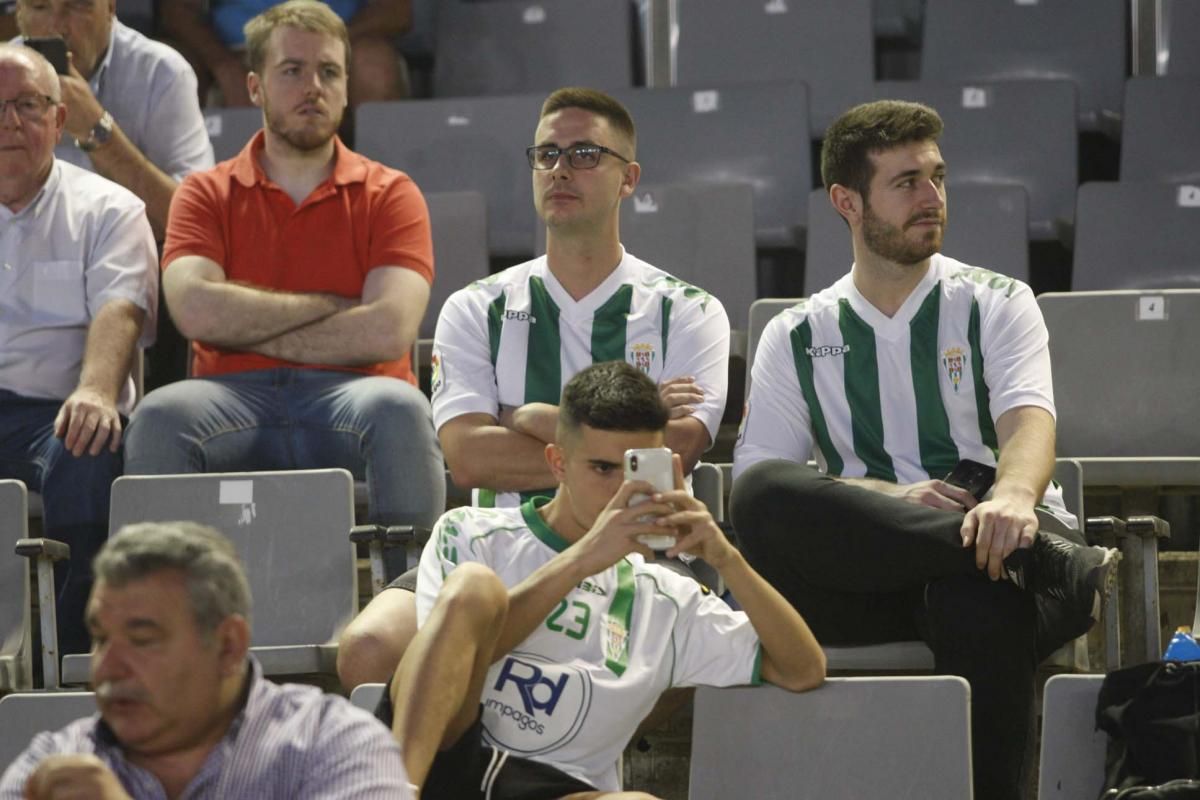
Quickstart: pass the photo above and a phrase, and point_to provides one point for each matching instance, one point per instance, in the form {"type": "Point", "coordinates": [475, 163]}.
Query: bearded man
{"type": "Point", "coordinates": [300, 271]}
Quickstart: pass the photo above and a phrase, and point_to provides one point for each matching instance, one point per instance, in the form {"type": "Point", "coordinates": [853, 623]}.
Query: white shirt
{"type": "Point", "coordinates": [517, 337]}
{"type": "Point", "coordinates": [83, 241]}
{"type": "Point", "coordinates": [573, 692]}
{"type": "Point", "coordinates": [900, 399]}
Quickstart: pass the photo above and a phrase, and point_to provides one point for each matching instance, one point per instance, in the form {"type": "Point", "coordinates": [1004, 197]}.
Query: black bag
{"type": "Point", "coordinates": [1151, 713]}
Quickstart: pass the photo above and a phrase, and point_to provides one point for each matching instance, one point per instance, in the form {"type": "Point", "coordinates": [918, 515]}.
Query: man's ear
{"type": "Point", "coordinates": [556, 459]}
{"type": "Point", "coordinates": [629, 181]}
{"type": "Point", "coordinates": [846, 202]}
{"type": "Point", "coordinates": [254, 88]}
{"type": "Point", "coordinates": [233, 642]}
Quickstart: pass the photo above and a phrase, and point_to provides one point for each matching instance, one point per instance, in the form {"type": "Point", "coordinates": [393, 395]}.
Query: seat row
{"type": "Point", "coordinates": [758, 134]}
{"type": "Point", "coordinates": [510, 48]}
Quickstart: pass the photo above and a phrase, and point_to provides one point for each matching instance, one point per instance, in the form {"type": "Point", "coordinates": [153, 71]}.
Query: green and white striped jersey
{"type": "Point", "coordinates": [517, 337]}
{"type": "Point", "coordinates": [573, 692]}
{"type": "Point", "coordinates": [899, 399]}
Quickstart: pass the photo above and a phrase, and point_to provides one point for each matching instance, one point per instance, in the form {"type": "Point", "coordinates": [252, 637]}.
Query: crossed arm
{"type": "Point", "coordinates": [302, 327]}
{"type": "Point", "coordinates": [508, 454]}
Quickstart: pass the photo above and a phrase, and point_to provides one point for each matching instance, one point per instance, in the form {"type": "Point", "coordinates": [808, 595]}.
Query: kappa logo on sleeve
{"type": "Point", "coordinates": [534, 705]}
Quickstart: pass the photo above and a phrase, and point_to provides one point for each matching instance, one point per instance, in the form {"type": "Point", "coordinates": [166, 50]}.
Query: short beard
{"type": "Point", "coordinates": [303, 139]}
{"type": "Point", "coordinates": [889, 242]}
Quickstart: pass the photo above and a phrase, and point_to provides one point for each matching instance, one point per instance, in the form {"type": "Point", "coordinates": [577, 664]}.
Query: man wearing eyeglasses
{"type": "Point", "coordinates": [78, 289]}
{"type": "Point", "coordinates": [505, 346]}
{"type": "Point", "coordinates": [133, 114]}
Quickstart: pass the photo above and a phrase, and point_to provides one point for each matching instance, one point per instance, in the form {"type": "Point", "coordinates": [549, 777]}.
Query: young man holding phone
{"type": "Point", "coordinates": [547, 632]}
{"type": "Point", "coordinates": [897, 377]}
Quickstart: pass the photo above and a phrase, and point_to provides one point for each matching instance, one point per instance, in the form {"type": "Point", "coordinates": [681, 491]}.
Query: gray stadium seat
{"type": "Point", "coordinates": [702, 233]}
{"type": "Point", "coordinates": [753, 133]}
{"type": "Point", "coordinates": [989, 139]}
{"type": "Point", "coordinates": [23, 716]}
{"type": "Point", "coordinates": [511, 48]}
{"type": "Point", "coordinates": [1072, 763]}
{"type": "Point", "coordinates": [459, 144]}
{"type": "Point", "coordinates": [987, 227]}
{"type": "Point", "coordinates": [1183, 32]}
{"type": "Point", "coordinates": [290, 529]}
{"type": "Point", "coordinates": [460, 252]}
{"type": "Point", "coordinates": [850, 739]}
{"type": "Point", "coordinates": [828, 44]}
{"type": "Point", "coordinates": [1137, 235]}
{"type": "Point", "coordinates": [16, 643]}
{"type": "Point", "coordinates": [1125, 391]}
{"type": "Point", "coordinates": [1080, 40]}
{"type": "Point", "coordinates": [1161, 129]}
{"type": "Point", "coordinates": [897, 19]}
{"type": "Point", "coordinates": [230, 128]}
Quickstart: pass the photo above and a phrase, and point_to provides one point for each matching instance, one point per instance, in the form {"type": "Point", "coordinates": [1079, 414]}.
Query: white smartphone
{"type": "Point", "coordinates": [655, 466]}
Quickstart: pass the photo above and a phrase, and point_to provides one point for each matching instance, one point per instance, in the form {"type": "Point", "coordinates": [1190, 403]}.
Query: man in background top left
{"type": "Point", "coordinates": [78, 293]}
{"type": "Point", "coordinates": [133, 114]}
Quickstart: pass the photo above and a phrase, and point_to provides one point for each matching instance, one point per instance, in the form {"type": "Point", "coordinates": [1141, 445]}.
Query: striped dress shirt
{"type": "Point", "coordinates": [289, 742]}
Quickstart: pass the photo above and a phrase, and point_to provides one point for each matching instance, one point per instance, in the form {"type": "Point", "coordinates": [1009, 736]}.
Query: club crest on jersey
{"type": "Point", "coordinates": [642, 356]}
{"type": "Point", "coordinates": [616, 640]}
{"type": "Point", "coordinates": [952, 360]}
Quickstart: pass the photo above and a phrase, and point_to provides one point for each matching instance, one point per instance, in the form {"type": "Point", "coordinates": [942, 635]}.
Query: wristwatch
{"type": "Point", "coordinates": [99, 135]}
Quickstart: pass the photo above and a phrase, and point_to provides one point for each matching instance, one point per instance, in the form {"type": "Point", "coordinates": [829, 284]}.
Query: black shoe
{"type": "Point", "coordinates": [1078, 576]}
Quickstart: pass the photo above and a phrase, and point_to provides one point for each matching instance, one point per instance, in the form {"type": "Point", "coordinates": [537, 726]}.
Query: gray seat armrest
{"type": "Point", "coordinates": [48, 548]}
{"type": "Point", "coordinates": [1139, 638]}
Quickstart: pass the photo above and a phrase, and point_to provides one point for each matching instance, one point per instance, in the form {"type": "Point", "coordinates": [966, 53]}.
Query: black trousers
{"type": "Point", "coordinates": [865, 568]}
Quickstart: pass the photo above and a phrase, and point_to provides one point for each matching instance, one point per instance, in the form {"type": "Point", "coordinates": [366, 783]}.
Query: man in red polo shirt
{"type": "Point", "coordinates": [300, 270]}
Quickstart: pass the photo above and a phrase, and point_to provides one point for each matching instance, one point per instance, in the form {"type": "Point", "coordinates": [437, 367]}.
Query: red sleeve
{"type": "Point", "coordinates": [195, 223]}
{"type": "Point", "coordinates": [400, 235]}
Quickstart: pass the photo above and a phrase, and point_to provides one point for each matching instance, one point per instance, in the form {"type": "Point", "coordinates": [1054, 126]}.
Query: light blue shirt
{"type": "Point", "coordinates": [289, 742]}
{"type": "Point", "coordinates": [150, 90]}
{"type": "Point", "coordinates": [80, 243]}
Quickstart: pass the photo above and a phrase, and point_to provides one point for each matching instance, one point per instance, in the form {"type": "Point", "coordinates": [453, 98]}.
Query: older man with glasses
{"type": "Point", "coordinates": [78, 290]}
{"type": "Point", "coordinates": [505, 346]}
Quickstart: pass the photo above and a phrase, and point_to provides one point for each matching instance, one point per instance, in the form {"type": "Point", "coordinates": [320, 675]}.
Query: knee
{"type": "Point", "coordinates": [394, 403]}
{"type": "Point", "coordinates": [372, 645]}
{"type": "Point", "coordinates": [769, 491]}
{"type": "Point", "coordinates": [376, 70]}
{"type": "Point", "coordinates": [474, 594]}
{"type": "Point", "coordinates": [156, 418]}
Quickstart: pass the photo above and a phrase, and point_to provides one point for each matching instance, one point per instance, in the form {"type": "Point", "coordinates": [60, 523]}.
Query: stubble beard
{"type": "Point", "coordinates": [889, 242]}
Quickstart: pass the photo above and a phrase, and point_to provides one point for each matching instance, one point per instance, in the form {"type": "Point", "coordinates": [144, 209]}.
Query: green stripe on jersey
{"type": "Point", "coordinates": [609, 324]}
{"type": "Point", "coordinates": [495, 326]}
{"type": "Point", "coordinates": [939, 454]}
{"type": "Point", "coordinates": [666, 328]}
{"type": "Point", "coordinates": [543, 364]}
{"type": "Point", "coordinates": [618, 620]}
{"type": "Point", "coordinates": [801, 345]}
{"type": "Point", "coordinates": [862, 393]}
{"type": "Point", "coordinates": [987, 429]}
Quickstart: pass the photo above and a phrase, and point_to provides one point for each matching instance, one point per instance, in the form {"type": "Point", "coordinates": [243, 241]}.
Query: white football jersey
{"type": "Point", "coordinates": [573, 692]}
{"type": "Point", "coordinates": [904, 398]}
{"type": "Point", "coordinates": [517, 337]}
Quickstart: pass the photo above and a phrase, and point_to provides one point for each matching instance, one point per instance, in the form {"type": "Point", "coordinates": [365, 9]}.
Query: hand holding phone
{"type": "Point", "coordinates": [654, 465]}
{"type": "Point", "coordinates": [54, 48]}
{"type": "Point", "coordinates": [976, 478]}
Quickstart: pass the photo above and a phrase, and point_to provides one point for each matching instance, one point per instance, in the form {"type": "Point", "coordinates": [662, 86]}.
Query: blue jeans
{"type": "Point", "coordinates": [75, 493]}
{"type": "Point", "coordinates": [378, 428]}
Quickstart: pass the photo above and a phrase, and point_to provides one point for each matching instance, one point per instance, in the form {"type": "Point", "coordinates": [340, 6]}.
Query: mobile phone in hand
{"type": "Point", "coordinates": [54, 48]}
{"type": "Point", "coordinates": [655, 466]}
{"type": "Point", "coordinates": [976, 478]}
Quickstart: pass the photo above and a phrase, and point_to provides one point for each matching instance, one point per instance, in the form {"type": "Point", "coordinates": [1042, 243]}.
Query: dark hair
{"type": "Point", "coordinates": [870, 128]}
{"type": "Point", "coordinates": [598, 103]}
{"type": "Point", "coordinates": [612, 396]}
{"type": "Point", "coordinates": [216, 581]}
{"type": "Point", "coordinates": [306, 15]}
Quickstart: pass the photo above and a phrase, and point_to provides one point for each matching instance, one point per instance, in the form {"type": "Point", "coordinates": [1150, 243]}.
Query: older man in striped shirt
{"type": "Point", "coordinates": [184, 710]}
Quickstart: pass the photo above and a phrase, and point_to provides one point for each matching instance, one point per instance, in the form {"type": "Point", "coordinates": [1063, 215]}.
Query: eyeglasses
{"type": "Point", "coordinates": [29, 107]}
{"type": "Point", "coordinates": [579, 156]}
